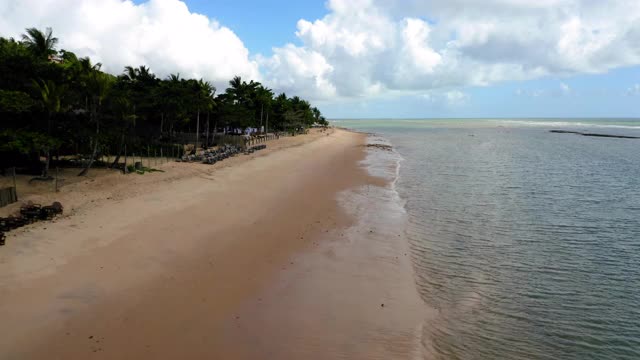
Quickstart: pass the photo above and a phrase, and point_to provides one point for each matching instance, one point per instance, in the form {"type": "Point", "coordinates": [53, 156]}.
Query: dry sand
{"type": "Point", "coordinates": [251, 258]}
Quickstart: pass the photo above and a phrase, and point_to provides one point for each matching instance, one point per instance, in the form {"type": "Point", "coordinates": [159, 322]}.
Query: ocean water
{"type": "Point", "coordinates": [525, 242]}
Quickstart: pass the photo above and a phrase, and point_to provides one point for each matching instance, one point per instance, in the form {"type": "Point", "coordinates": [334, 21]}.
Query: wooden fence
{"type": "Point", "coordinates": [8, 196]}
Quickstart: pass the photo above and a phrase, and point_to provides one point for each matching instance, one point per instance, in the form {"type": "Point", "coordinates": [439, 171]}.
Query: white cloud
{"type": "Point", "coordinates": [634, 90]}
{"type": "Point", "coordinates": [565, 89]}
{"type": "Point", "coordinates": [455, 97]}
{"type": "Point", "coordinates": [414, 46]}
{"type": "Point", "coordinates": [360, 48]}
{"type": "Point", "coordinates": [451, 98]}
{"type": "Point", "coordinates": [299, 70]}
{"type": "Point", "coordinates": [162, 34]}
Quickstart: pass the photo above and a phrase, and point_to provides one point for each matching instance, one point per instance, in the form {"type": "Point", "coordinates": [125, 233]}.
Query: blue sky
{"type": "Point", "coordinates": [373, 58]}
{"type": "Point", "coordinates": [261, 24]}
{"type": "Point", "coordinates": [591, 96]}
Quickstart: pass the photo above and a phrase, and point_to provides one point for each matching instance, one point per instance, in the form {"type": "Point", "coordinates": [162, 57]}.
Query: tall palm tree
{"type": "Point", "coordinates": [235, 85]}
{"type": "Point", "coordinates": [202, 94]}
{"type": "Point", "coordinates": [263, 96]}
{"type": "Point", "coordinates": [237, 90]}
{"type": "Point", "coordinates": [51, 96]}
{"type": "Point", "coordinates": [123, 110]}
{"type": "Point", "coordinates": [141, 73]}
{"type": "Point", "coordinates": [99, 85]}
{"type": "Point", "coordinates": [145, 74]}
{"type": "Point", "coordinates": [130, 73]}
{"type": "Point", "coordinates": [208, 92]}
{"type": "Point", "coordinates": [87, 66]}
{"type": "Point", "coordinates": [41, 44]}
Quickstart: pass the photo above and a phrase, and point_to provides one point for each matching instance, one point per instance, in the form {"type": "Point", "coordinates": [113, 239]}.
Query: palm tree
{"type": "Point", "coordinates": [99, 85]}
{"type": "Point", "coordinates": [141, 73]}
{"type": "Point", "coordinates": [124, 113]}
{"type": "Point", "coordinates": [141, 85]}
{"type": "Point", "coordinates": [280, 105]}
{"type": "Point", "coordinates": [263, 96]}
{"type": "Point", "coordinates": [145, 74]}
{"type": "Point", "coordinates": [235, 89]}
{"type": "Point", "coordinates": [202, 93]}
{"type": "Point", "coordinates": [130, 73]}
{"type": "Point", "coordinates": [51, 96]}
{"type": "Point", "coordinates": [41, 44]}
{"type": "Point", "coordinates": [207, 93]}
{"type": "Point", "coordinates": [87, 66]}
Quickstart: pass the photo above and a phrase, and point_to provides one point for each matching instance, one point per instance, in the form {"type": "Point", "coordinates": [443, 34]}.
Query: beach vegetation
{"type": "Point", "coordinates": [55, 104]}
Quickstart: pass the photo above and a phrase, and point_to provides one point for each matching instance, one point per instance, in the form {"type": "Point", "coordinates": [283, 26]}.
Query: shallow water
{"type": "Point", "coordinates": [527, 243]}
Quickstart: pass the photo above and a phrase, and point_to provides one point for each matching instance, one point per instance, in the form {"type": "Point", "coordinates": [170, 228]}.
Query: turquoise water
{"type": "Point", "coordinates": [527, 243]}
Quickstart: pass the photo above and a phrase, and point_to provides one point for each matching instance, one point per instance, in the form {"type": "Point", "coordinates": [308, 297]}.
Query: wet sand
{"type": "Point", "coordinates": [267, 256]}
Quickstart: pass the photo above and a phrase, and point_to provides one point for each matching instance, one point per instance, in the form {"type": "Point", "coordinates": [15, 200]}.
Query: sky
{"type": "Point", "coordinates": [372, 58]}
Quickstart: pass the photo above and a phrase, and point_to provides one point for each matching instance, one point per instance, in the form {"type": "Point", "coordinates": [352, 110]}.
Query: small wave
{"type": "Point", "coordinates": [524, 249]}
{"type": "Point", "coordinates": [384, 164]}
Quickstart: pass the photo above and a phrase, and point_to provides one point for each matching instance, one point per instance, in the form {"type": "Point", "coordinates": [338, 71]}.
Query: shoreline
{"type": "Point", "coordinates": [164, 272]}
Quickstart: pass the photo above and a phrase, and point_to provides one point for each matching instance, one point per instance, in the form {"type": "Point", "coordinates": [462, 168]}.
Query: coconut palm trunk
{"type": "Point", "coordinates": [215, 131]}
{"type": "Point", "coordinates": [94, 115]}
{"type": "Point", "coordinates": [100, 84]}
{"type": "Point", "coordinates": [197, 129]}
{"type": "Point", "coordinates": [117, 159]}
{"type": "Point", "coordinates": [47, 164]}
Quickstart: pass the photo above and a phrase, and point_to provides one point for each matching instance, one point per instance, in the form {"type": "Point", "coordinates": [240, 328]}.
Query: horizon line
{"type": "Point", "coordinates": [490, 118]}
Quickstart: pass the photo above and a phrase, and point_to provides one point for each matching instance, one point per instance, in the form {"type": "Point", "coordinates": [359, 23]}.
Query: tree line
{"type": "Point", "coordinates": [54, 104]}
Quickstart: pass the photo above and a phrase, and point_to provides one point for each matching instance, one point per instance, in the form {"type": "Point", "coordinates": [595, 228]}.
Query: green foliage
{"type": "Point", "coordinates": [25, 142]}
{"type": "Point", "coordinates": [15, 102]}
{"type": "Point", "coordinates": [42, 45]}
{"type": "Point", "coordinates": [53, 99]}
{"type": "Point", "coordinates": [50, 95]}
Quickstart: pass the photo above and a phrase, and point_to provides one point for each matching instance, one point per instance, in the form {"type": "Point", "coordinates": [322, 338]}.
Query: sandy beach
{"type": "Point", "coordinates": [260, 256]}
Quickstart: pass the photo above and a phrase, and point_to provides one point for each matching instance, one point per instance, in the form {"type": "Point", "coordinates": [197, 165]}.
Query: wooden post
{"type": "Point", "coordinates": [15, 185]}
{"type": "Point", "coordinates": [197, 130]}
{"type": "Point", "coordinates": [56, 181]}
{"type": "Point", "coordinates": [155, 157]}
{"type": "Point", "coordinates": [124, 170]}
{"type": "Point", "coordinates": [148, 157]}
{"type": "Point", "coordinates": [208, 113]}
{"type": "Point", "coordinates": [161, 155]}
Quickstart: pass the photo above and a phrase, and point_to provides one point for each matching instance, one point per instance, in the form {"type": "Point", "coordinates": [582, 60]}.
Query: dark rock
{"type": "Point", "coordinates": [380, 146]}
{"type": "Point", "coordinates": [593, 134]}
